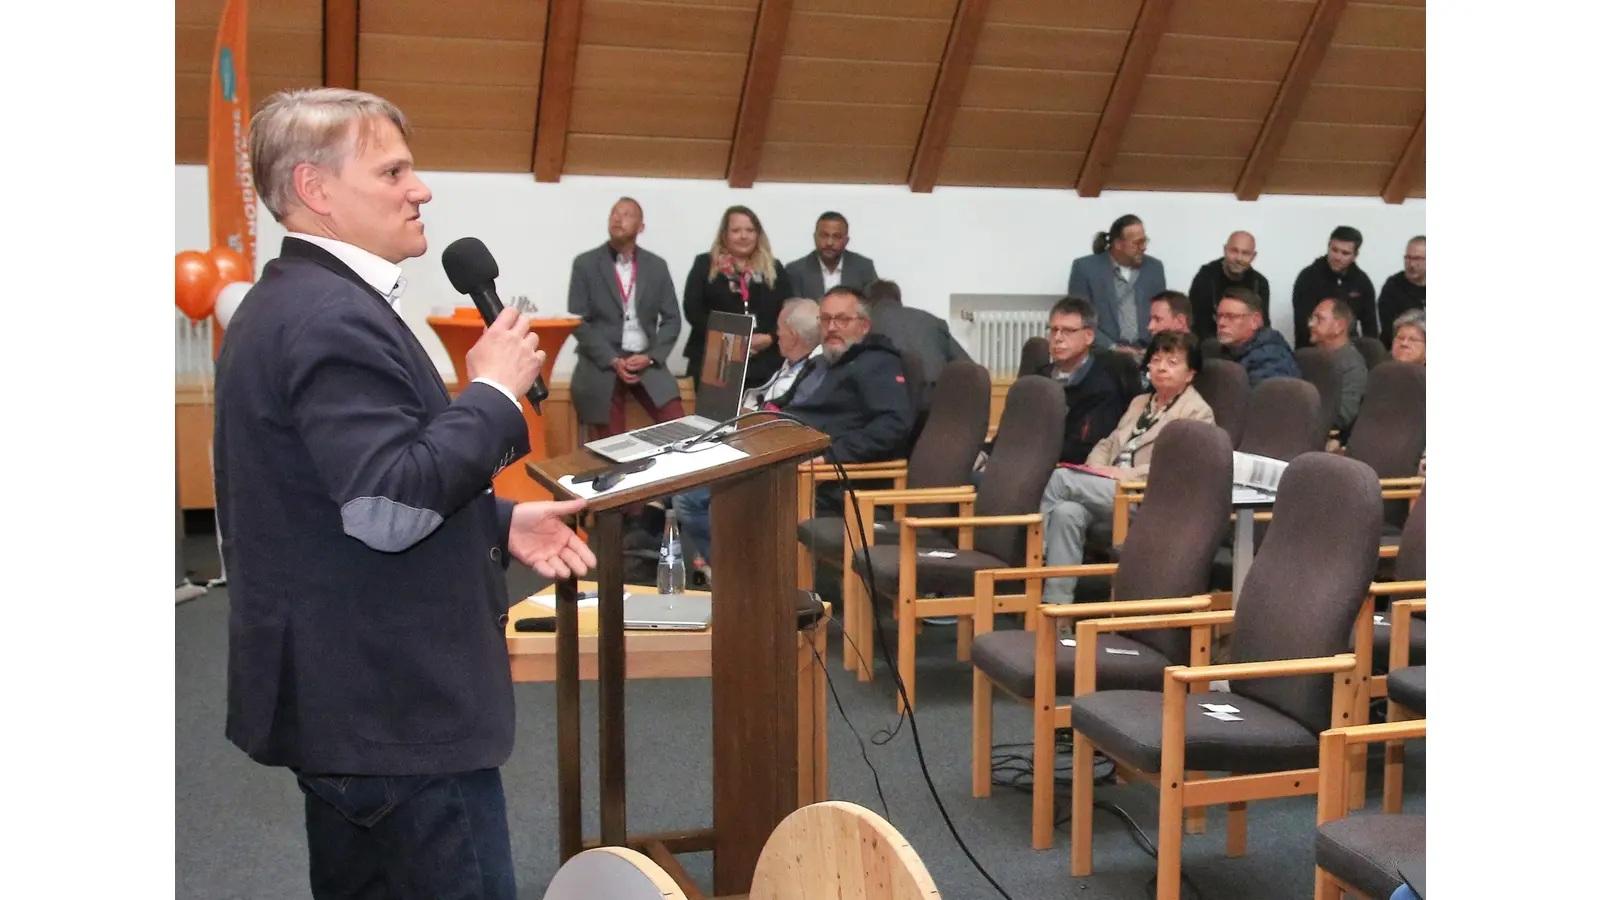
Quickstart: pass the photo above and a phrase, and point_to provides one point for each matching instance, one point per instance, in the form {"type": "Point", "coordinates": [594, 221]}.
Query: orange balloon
{"type": "Point", "coordinates": [230, 265]}
{"type": "Point", "coordinates": [196, 284]}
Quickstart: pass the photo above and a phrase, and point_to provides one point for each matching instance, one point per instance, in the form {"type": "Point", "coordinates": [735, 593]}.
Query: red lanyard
{"type": "Point", "coordinates": [633, 279]}
{"type": "Point", "coordinates": [744, 288]}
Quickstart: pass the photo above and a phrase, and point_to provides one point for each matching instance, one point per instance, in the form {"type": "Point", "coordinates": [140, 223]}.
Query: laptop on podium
{"type": "Point", "coordinates": [717, 398]}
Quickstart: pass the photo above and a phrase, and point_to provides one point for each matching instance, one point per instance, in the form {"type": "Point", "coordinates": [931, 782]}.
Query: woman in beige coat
{"type": "Point", "coordinates": [1079, 496]}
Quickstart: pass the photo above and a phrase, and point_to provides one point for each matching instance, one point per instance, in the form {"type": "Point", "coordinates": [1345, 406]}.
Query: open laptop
{"type": "Point", "coordinates": [670, 612]}
{"type": "Point", "coordinates": [716, 399]}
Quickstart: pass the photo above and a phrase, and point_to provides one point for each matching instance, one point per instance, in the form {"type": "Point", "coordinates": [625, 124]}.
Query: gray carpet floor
{"type": "Point", "coordinates": [240, 835]}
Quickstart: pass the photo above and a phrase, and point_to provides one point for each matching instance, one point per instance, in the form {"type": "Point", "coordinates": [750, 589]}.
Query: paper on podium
{"type": "Point", "coordinates": [668, 465]}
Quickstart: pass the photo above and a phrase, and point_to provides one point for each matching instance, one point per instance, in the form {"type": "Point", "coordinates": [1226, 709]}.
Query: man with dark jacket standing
{"type": "Point", "coordinates": [366, 550]}
{"type": "Point", "coordinates": [1335, 276]}
{"type": "Point", "coordinates": [916, 330]}
{"type": "Point", "coordinates": [1405, 289]}
{"type": "Point", "coordinates": [1233, 269]}
{"type": "Point", "coordinates": [1262, 351]}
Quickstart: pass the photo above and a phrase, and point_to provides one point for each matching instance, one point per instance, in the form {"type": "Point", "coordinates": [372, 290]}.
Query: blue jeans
{"type": "Point", "coordinates": [1404, 892]}
{"type": "Point", "coordinates": [414, 837]}
{"type": "Point", "coordinates": [694, 518]}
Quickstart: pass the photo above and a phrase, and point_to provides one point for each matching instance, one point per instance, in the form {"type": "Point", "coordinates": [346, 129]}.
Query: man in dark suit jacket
{"type": "Point", "coordinates": [830, 265]}
{"type": "Point", "coordinates": [915, 330]}
{"type": "Point", "coordinates": [365, 548]}
{"type": "Point", "coordinates": [629, 306]}
{"type": "Point", "coordinates": [1119, 279]}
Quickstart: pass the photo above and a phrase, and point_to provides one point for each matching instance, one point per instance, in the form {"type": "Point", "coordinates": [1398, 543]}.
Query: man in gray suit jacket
{"type": "Point", "coordinates": [830, 265]}
{"type": "Point", "coordinates": [1119, 279]}
{"type": "Point", "coordinates": [629, 306]}
{"type": "Point", "coordinates": [915, 330]}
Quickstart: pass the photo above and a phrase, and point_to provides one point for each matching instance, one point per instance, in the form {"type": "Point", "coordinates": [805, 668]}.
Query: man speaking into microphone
{"type": "Point", "coordinates": [365, 548]}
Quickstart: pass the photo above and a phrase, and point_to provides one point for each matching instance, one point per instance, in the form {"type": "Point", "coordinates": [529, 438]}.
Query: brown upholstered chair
{"type": "Point", "coordinates": [1391, 432]}
{"type": "Point", "coordinates": [1164, 568]}
{"type": "Point", "coordinates": [1003, 531]}
{"type": "Point", "coordinates": [1225, 387]}
{"type": "Point", "coordinates": [1035, 354]}
{"type": "Point", "coordinates": [1291, 631]}
{"type": "Point", "coordinates": [1316, 366]}
{"type": "Point", "coordinates": [1362, 854]}
{"type": "Point", "coordinates": [1373, 351]}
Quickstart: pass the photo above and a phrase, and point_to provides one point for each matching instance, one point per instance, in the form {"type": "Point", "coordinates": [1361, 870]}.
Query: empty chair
{"type": "Point", "coordinates": [1284, 420]}
{"type": "Point", "coordinates": [1362, 854]}
{"type": "Point", "coordinates": [1226, 389]}
{"type": "Point", "coordinates": [1372, 350]}
{"type": "Point", "coordinates": [1035, 356]}
{"type": "Point", "coordinates": [1316, 366]}
{"type": "Point", "coordinates": [838, 849]}
{"type": "Point", "coordinates": [1392, 430]}
{"type": "Point", "coordinates": [614, 873]}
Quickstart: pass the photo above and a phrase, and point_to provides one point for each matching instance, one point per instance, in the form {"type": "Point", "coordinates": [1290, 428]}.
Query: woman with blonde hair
{"type": "Point", "coordinates": [739, 275]}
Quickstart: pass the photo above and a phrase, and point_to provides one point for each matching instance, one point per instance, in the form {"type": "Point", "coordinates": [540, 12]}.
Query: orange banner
{"type": "Point", "coordinates": [233, 195]}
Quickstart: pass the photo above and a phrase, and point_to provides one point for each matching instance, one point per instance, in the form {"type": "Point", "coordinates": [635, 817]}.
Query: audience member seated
{"type": "Point", "coordinates": [1405, 289]}
{"type": "Point", "coordinates": [1169, 311]}
{"type": "Point", "coordinates": [830, 265]}
{"type": "Point", "coordinates": [1078, 497]}
{"type": "Point", "coordinates": [1330, 330]}
{"type": "Point", "coordinates": [1335, 274]}
{"type": "Point", "coordinates": [858, 399]}
{"type": "Point", "coordinates": [1262, 351]}
{"type": "Point", "coordinates": [1232, 269]}
{"type": "Point", "coordinates": [738, 275]}
{"type": "Point", "coordinates": [915, 330]}
{"type": "Point", "coordinates": [1119, 280]}
{"type": "Point", "coordinates": [1411, 337]}
{"type": "Point", "coordinates": [800, 343]}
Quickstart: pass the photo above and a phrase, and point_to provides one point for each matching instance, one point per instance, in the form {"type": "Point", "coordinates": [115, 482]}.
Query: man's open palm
{"type": "Point", "coordinates": [542, 542]}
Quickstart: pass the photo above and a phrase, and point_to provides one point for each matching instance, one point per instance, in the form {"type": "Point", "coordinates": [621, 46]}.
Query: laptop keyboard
{"type": "Point", "coordinates": [667, 433]}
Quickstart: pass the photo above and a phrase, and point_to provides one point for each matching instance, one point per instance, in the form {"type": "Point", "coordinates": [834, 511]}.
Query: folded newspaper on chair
{"type": "Point", "coordinates": [1255, 478]}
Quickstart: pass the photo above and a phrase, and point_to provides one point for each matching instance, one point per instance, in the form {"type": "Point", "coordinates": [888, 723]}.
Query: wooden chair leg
{"type": "Point", "coordinates": [1238, 830]}
{"type": "Point", "coordinates": [1394, 765]}
{"type": "Point", "coordinates": [907, 661]}
{"type": "Point", "coordinates": [1082, 805]}
{"type": "Point", "coordinates": [850, 600]}
{"type": "Point", "coordinates": [1358, 777]}
{"type": "Point", "coordinates": [1044, 772]}
{"type": "Point", "coordinates": [1326, 888]}
{"type": "Point", "coordinates": [1194, 818]}
{"type": "Point", "coordinates": [866, 633]}
{"type": "Point", "coordinates": [964, 638]}
{"type": "Point", "coordinates": [982, 734]}
{"type": "Point", "coordinates": [1169, 824]}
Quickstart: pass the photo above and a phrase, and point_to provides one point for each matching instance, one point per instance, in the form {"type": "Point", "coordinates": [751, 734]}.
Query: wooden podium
{"type": "Point", "coordinates": [753, 693]}
{"type": "Point", "coordinates": [458, 332]}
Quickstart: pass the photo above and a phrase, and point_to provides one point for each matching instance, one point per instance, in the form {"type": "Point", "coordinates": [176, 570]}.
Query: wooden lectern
{"type": "Point", "coordinates": [458, 332]}
{"type": "Point", "coordinates": [753, 691]}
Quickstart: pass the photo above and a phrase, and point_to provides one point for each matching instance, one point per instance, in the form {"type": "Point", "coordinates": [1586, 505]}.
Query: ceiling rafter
{"type": "Point", "coordinates": [959, 49]}
{"type": "Point", "coordinates": [1405, 171]}
{"type": "Point", "coordinates": [1124, 96]}
{"type": "Point", "coordinates": [555, 89]}
{"type": "Point", "coordinates": [760, 81]}
{"type": "Point", "coordinates": [1291, 94]}
{"type": "Point", "coordinates": [341, 36]}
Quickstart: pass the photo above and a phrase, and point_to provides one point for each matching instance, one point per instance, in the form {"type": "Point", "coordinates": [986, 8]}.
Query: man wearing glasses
{"type": "Point", "coordinates": [1405, 289]}
{"type": "Point", "coordinates": [1119, 279]}
{"type": "Point", "coordinates": [1262, 351]}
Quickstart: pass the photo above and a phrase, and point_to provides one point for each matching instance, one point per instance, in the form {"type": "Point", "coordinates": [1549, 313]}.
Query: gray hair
{"type": "Point", "coordinates": [800, 314]}
{"type": "Point", "coordinates": [1413, 317]}
{"type": "Point", "coordinates": [311, 126]}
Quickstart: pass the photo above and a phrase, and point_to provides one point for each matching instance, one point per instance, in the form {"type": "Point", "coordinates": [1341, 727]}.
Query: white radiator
{"type": "Point", "coordinates": [194, 345]}
{"type": "Point", "coordinates": [1001, 334]}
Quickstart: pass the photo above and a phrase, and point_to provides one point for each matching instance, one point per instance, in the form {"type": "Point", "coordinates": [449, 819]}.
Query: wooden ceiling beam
{"type": "Point", "coordinates": [760, 81]}
{"type": "Point", "coordinates": [341, 35]}
{"type": "Point", "coordinates": [1405, 171]}
{"type": "Point", "coordinates": [1291, 94]}
{"type": "Point", "coordinates": [1124, 96]}
{"type": "Point", "coordinates": [959, 49]}
{"type": "Point", "coordinates": [555, 89]}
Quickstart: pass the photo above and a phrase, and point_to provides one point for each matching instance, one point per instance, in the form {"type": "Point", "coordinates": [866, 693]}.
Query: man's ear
{"type": "Point", "coordinates": [311, 188]}
{"type": "Point", "coordinates": [641, 227]}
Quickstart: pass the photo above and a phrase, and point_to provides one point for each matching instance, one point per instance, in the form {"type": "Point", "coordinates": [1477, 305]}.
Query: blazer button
{"type": "Point", "coordinates": [494, 553]}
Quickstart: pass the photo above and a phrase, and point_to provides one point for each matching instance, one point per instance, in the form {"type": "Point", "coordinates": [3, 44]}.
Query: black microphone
{"type": "Point", "coordinates": [472, 270]}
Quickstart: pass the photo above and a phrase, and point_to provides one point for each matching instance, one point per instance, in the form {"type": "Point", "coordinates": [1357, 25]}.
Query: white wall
{"type": "Point", "coordinates": [952, 241]}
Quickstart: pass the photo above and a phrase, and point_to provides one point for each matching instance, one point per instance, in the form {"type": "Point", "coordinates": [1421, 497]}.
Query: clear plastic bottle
{"type": "Point", "coordinates": [671, 575]}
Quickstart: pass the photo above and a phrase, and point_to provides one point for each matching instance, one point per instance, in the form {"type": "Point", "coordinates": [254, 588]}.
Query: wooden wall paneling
{"type": "Point", "coordinates": [1113, 16]}
{"type": "Point", "coordinates": [1156, 172]}
{"type": "Point", "coordinates": [1059, 49]}
{"type": "Point", "coordinates": [680, 72]}
{"type": "Point", "coordinates": [471, 149]}
{"type": "Point", "coordinates": [1408, 169]}
{"type": "Point", "coordinates": [876, 124]}
{"type": "Point", "coordinates": [973, 166]}
{"type": "Point", "coordinates": [1015, 129]}
{"type": "Point", "coordinates": [518, 20]}
{"type": "Point", "coordinates": [556, 76]}
{"type": "Point", "coordinates": [270, 51]}
{"type": "Point", "coordinates": [1231, 58]}
{"type": "Point", "coordinates": [941, 10]}
{"type": "Point", "coordinates": [904, 84]}
{"type": "Point", "coordinates": [450, 61]}
{"type": "Point", "coordinates": [491, 107]}
{"type": "Point", "coordinates": [1348, 105]}
{"type": "Point", "coordinates": [760, 82]}
{"type": "Point", "coordinates": [1344, 143]}
{"type": "Point", "coordinates": [948, 88]}
{"type": "Point", "coordinates": [1383, 25]}
{"type": "Point", "coordinates": [1206, 98]}
{"type": "Point", "coordinates": [341, 33]}
{"type": "Point", "coordinates": [891, 39]}
{"type": "Point", "coordinates": [1330, 177]}
{"type": "Point", "coordinates": [650, 114]}
{"type": "Point", "coordinates": [1182, 136]}
{"type": "Point", "coordinates": [652, 157]}
{"type": "Point", "coordinates": [844, 163]}
{"type": "Point", "coordinates": [292, 15]}
{"type": "Point", "coordinates": [1037, 90]}
{"type": "Point", "coordinates": [1262, 20]}
{"type": "Point", "coordinates": [656, 26]}
{"type": "Point", "coordinates": [1307, 60]}
{"type": "Point", "coordinates": [1142, 43]}
{"type": "Point", "coordinates": [1374, 67]}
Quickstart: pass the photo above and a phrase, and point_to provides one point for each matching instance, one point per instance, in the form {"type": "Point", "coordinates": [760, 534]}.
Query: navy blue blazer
{"type": "Point", "coordinates": [1091, 279]}
{"type": "Point", "coordinates": [365, 548]}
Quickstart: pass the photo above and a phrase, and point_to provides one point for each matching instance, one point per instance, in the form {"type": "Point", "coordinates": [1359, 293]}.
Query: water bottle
{"type": "Point", "coordinates": [670, 574]}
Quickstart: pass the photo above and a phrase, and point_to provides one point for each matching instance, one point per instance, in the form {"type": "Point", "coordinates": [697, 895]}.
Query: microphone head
{"type": "Point", "coordinates": [469, 265]}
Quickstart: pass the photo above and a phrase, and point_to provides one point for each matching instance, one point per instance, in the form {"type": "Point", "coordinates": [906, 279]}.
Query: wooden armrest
{"type": "Point", "coordinates": [1401, 493]}
{"type": "Point", "coordinates": [1131, 486]}
{"type": "Point", "coordinates": [970, 521]}
{"type": "Point", "coordinates": [862, 471]}
{"type": "Point", "coordinates": [1405, 609]}
{"type": "Point", "coordinates": [1274, 668]}
{"type": "Point", "coordinates": [1125, 607]}
{"type": "Point", "coordinates": [1389, 551]}
{"type": "Point", "coordinates": [855, 466]}
{"type": "Point", "coordinates": [1390, 588]}
{"type": "Point", "coordinates": [1149, 623]}
{"type": "Point", "coordinates": [889, 496]}
{"type": "Point", "coordinates": [1379, 731]}
{"type": "Point", "coordinates": [1410, 481]}
{"type": "Point", "coordinates": [1031, 572]}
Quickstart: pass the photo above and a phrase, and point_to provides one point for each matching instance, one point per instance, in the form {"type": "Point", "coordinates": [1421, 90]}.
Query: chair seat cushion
{"type": "Point", "coordinates": [1367, 850]}
{"type": "Point", "coordinates": [1406, 687]}
{"type": "Point", "coordinates": [1008, 658]}
{"type": "Point", "coordinates": [824, 535]}
{"type": "Point", "coordinates": [951, 576]}
{"type": "Point", "coordinates": [1127, 725]}
{"type": "Point", "coordinates": [1380, 643]}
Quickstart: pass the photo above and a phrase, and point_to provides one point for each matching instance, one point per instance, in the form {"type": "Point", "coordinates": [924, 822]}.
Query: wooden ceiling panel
{"type": "Point", "coordinates": [847, 164]}
{"type": "Point", "coordinates": [607, 154]}
{"type": "Point", "coordinates": [1344, 143]}
{"type": "Point", "coordinates": [654, 26]}
{"type": "Point", "coordinates": [1056, 49]}
{"type": "Point", "coordinates": [861, 81]}
{"type": "Point", "coordinates": [1263, 20]}
{"type": "Point", "coordinates": [1343, 105]}
{"type": "Point", "coordinates": [798, 121]}
{"type": "Point", "coordinates": [269, 51]}
{"type": "Point", "coordinates": [970, 166]}
{"type": "Point", "coordinates": [989, 87]}
{"type": "Point", "coordinates": [719, 4]}
{"type": "Point", "coordinates": [523, 20]}
{"type": "Point", "coordinates": [471, 149]}
{"type": "Point", "coordinates": [1115, 15]}
{"type": "Point", "coordinates": [465, 61]}
{"type": "Point", "coordinates": [1382, 25]}
{"type": "Point", "coordinates": [1369, 67]}
{"type": "Point", "coordinates": [1176, 136]}
{"type": "Point", "coordinates": [1012, 129]}
{"type": "Point", "coordinates": [830, 36]}
{"type": "Point", "coordinates": [906, 9]}
{"type": "Point", "coordinates": [1298, 176]}
{"type": "Point", "coordinates": [661, 115]}
{"type": "Point", "coordinates": [191, 100]}
{"type": "Point", "coordinates": [293, 15]}
{"type": "Point", "coordinates": [662, 71]}
{"type": "Point", "coordinates": [1206, 98]}
{"type": "Point", "coordinates": [490, 108]}
{"type": "Point", "coordinates": [1189, 56]}
{"type": "Point", "coordinates": [189, 141]}
{"type": "Point", "coordinates": [1153, 172]}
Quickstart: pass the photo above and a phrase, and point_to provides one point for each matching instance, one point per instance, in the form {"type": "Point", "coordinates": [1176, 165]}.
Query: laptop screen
{"type": "Point", "coordinates": [722, 374]}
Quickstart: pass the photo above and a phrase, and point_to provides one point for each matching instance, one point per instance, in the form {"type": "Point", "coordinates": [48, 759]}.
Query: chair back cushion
{"type": "Point", "coordinates": [1391, 431]}
{"type": "Point", "coordinates": [1225, 387]}
{"type": "Point", "coordinates": [1126, 369]}
{"type": "Point", "coordinates": [1373, 351]}
{"type": "Point", "coordinates": [1026, 449]}
{"type": "Point", "coordinates": [1316, 366]}
{"type": "Point", "coordinates": [958, 421]}
{"type": "Point", "coordinates": [1035, 354]}
{"type": "Point", "coordinates": [1173, 541]}
{"type": "Point", "coordinates": [1284, 420]}
{"type": "Point", "coordinates": [1411, 561]}
{"type": "Point", "coordinates": [1308, 581]}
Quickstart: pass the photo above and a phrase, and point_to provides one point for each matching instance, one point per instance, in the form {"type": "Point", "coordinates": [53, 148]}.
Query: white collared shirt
{"type": "Point", "coordinates": [830, 280]}
{"type": "Point", "coordinates": [634, 340]}
{"type": "Point", "coordinates": [781, 381]}
{"type": "Point", "coordinates": [385, 278]}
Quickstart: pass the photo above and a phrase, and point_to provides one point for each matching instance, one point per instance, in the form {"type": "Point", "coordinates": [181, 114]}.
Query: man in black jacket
{"type": "Point", "coordinates": [365, 549]}
{"type": "Point", "coordinates": [1405, 289]}
{"type": "Point", "coordinates": [859, 398]}
{"type": "Point", "coordinates": [1233, 269]}
{"type": "Point", "coordinates": [1095, 400]}
{"type": "Point", "coordinates": [1335, 276]}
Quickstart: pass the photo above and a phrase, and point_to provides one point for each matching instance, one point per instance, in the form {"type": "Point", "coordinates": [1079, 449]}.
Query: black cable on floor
{"type": "Point", "coordinates": [876, 783]}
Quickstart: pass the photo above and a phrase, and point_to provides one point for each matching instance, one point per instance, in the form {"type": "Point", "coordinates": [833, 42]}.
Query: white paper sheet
{"type": "Point", "coordinates": [668, 465]}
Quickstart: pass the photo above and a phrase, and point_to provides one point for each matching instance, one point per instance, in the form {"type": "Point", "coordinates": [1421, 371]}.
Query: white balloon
{"type": "Point", "coordinates": [228, 300]}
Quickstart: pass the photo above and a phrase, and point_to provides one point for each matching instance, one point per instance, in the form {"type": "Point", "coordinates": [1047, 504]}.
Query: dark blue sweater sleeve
{"type": "Point", "coordinates": [881, 382]}
{"type": "Point", "coordinates": [395, 475]}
